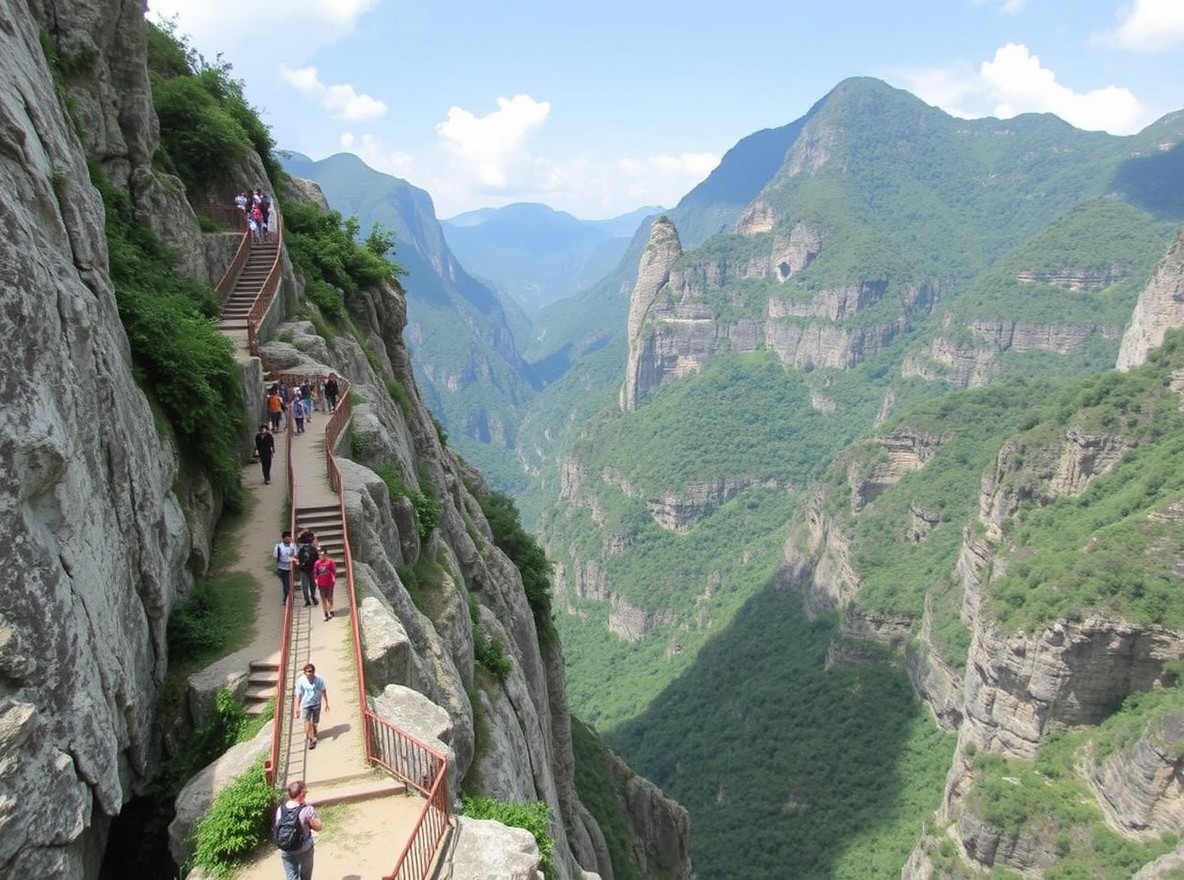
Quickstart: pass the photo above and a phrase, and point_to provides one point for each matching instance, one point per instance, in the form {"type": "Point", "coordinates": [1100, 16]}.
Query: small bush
{"type": "Point", "coordinates": [535, 818]}
{"type": "Point", "coordinates": [524, 551]}
{"type": "Point", "coordinates": [238, 821]}
{"type": "Point", "coordinates": [399, 395]}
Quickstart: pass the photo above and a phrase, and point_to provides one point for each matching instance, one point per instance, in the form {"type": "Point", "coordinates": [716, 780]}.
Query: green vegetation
{"type": "Point", "coordinates": [788, 769]}
{"type": "Point", "coordinates": [324, 247]}
{"type": "Point", "coordinates": [488, 651]}
{"type": "Point", "coordinates": [427, 508]}
{"type": "Point", "coordinates": [180, 359]}
{"type": "Point", "coordinates": [238, 821]}
{"type": "Point", "coordinates": [205, 120]}
{"type": "Point", "coordinates": [534, 817]}
{"type": "Point", "coordinates": [216, 618]}
{"type": "Point", "coordinates": [524, 551]}
{"type": "Point", "coordinates": [604, 796]}
{"type": "Point", "coordinates": [1047, 800]}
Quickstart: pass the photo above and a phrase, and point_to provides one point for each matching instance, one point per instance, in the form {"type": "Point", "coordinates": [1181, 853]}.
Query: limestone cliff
{"type": "Point", "coordinates": [684, 311]}
{"type": "Point", "coordinates": [1013, 688]}
{"type": "Point", "coordinates": [101, 545]}
{"type": "Point", "coordinates": [1159, 308]}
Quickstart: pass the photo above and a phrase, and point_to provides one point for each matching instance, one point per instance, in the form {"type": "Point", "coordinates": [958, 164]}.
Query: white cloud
{"type": "Point", "coordinates": [298, 25]}
{"type": "Point", "coordinates": [1148, 26]}
{"type": "Point", "coordinates": [493, 147]}
{"type": "Point", "coordinates": [341, 101]}
{"type": "Point", "coordinates": [1015, 82]}
{"type": "Point", "coordinates": [1008, 7]}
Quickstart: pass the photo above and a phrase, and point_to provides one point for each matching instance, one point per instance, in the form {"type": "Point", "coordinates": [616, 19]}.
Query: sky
{"type": "Point", "coordinates": [600, 108]}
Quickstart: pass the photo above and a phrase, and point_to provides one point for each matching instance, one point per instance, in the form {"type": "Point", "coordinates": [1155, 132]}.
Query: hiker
{"type": "Point", "coordinates": [306, 399]}
{"type": "Point", "coordinates": [331, 391]}
{"type": "Point", "coordinates": [310, 693]}
{"type": "Point", "coordinates": [295, 820]}
{"type": "Point", "coordinates": [307, 548]}
{"type": "Point", "coordinates": [284, 553]}
{"type": "Point", "coordinates": [265, 449]}
{"type": "Point", "coordinates": [296, 406]}
{"type": "Point", "coordinates": [275, 409]}
{"type": "Point", "coordinates": [324, 575]}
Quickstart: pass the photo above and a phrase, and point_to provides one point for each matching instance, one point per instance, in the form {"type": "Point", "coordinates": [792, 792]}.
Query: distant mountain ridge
{"type": "Point", "coordinates": [461, 336]}
{"type": "Point", "coordinates": [536, 255]}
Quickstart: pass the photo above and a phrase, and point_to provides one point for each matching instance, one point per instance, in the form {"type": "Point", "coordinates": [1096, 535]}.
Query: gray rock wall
{"type": "Point", "coordinates": [98, 545]}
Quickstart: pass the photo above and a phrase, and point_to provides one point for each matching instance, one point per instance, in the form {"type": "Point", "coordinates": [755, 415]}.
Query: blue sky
{"type": "Point", "coordinates": [599, 108]}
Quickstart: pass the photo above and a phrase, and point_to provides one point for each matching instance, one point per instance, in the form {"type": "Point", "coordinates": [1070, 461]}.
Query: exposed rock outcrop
{"type": "Point", "coordinates": [1160, 308]}
{"type": "Point", "coordinates": [89, 511]}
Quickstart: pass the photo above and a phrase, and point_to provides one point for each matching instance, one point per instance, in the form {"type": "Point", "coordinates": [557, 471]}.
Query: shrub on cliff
{"type": "Point", "coordinates": [205, 121]}
{"type": "Point", "coordinates": [181, 360]}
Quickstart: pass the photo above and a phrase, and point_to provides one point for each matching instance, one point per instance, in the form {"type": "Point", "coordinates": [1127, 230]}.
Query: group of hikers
{"type": "Point", "coordinates": [256, 208]}
{"type": "Point", "coordinates": [293, 405]}
{"type": "Point", "coordinates": [317, 570]}
{"type": "Point", "coordinates": [295, 819]}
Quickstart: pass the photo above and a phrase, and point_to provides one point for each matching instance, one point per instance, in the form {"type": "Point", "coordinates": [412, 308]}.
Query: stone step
{"type": "Point", "coordinates": [359, 788]}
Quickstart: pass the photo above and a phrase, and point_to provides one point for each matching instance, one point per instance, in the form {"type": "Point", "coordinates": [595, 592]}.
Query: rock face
{"type": "Point", "coordinates": [89, 511]}
{"type": "Point", "coordinates": [1160, 308]}
{"type": "Point", "coordinates": [1012, 689]}
{"type": "Point", "coordinates": [684, 311]}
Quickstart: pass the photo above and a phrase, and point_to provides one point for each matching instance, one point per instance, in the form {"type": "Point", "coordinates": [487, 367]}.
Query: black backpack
{"type": "Point", "coordinates": [289, 833]}
{"type": "Point", "coordinates": [306, 556]}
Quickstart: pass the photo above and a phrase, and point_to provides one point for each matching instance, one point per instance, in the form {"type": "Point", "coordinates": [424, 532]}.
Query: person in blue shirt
{"type": "Point", "coordinates": [310, 693]}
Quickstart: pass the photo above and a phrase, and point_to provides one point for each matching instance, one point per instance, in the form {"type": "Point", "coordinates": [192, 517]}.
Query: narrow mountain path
{"type": "Point", "coordinates": [368, 816]}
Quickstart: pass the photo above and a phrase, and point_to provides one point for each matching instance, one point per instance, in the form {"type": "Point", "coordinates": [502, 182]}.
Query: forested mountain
{"type": "Point", "coordinates": [841, 429]}
{"type": "Point", "coordinates": [461, 333]}
{"type": "Point", "coordinates": [891, 256]}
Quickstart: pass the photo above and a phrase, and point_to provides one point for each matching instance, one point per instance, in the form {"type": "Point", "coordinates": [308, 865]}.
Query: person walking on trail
{"type": "Point", "coordinates": [296, 406]}
{"type": "Point", "coordinates": [306, 557]}
{"type": "Point", "coordinates": [295, 821]}
{"type": "Point", "coordinates": [284, 553]}
{"type": "Point", "coordinates": [324, 575]}
{"type": "Point", "coordinates": [310, 693]}
{"type": "Point", "coordinates": [331, 391]}
{"type": "Point", "coordinates": [265, 449]}
{"type": "Point", "coordinates": [275, 408]}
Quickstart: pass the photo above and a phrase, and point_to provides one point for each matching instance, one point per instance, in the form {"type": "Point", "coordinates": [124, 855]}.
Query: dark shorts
{"type": "Point", "coordinates": [326, 593]}
{"type": "Point", "coordinates": [311, 713]}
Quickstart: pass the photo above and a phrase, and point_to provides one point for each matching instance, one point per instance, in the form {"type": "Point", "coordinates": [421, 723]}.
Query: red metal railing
{"type": "Point", "coordinates": [271, 769]}
{"type": "Point", "coordinates": [270, 286]}
{"type": "Point", "coordinates": [225, 285]}
{"type": "Point", "coordinates": [228, 218]}
{"type": "Point", "coordinates": [401, 754]}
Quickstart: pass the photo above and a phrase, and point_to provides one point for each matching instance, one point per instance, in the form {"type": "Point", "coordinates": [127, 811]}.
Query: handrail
{"type": "Point", "coordinates": [225, 285]}
{"type": "Point", "coordinates": [387, 745]}
{"type": "Point", "coordinates": [270, 286]}
{"type": "Point", "coordinates": [227, 217]}
{"type": "Point", "coordinates": [272, 767]}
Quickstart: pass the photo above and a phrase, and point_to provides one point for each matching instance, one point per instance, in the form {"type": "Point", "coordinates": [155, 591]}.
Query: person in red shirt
{"type": "Point", "coordinates": [324, 574]}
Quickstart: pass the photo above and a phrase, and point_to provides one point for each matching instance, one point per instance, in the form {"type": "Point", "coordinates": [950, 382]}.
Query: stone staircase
{"type": "Point", "coordinates": [326, 524]}
{"type": "Point", "coordinates": [248, 285]}
{"type": "Point", "coordinates": [262, 677]}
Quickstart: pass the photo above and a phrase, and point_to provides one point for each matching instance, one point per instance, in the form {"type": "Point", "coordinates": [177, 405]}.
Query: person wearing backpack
{"type": "Point", "coordinates": [295, 821]}
{"type": "Point", "coordinates": [307, 552]}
